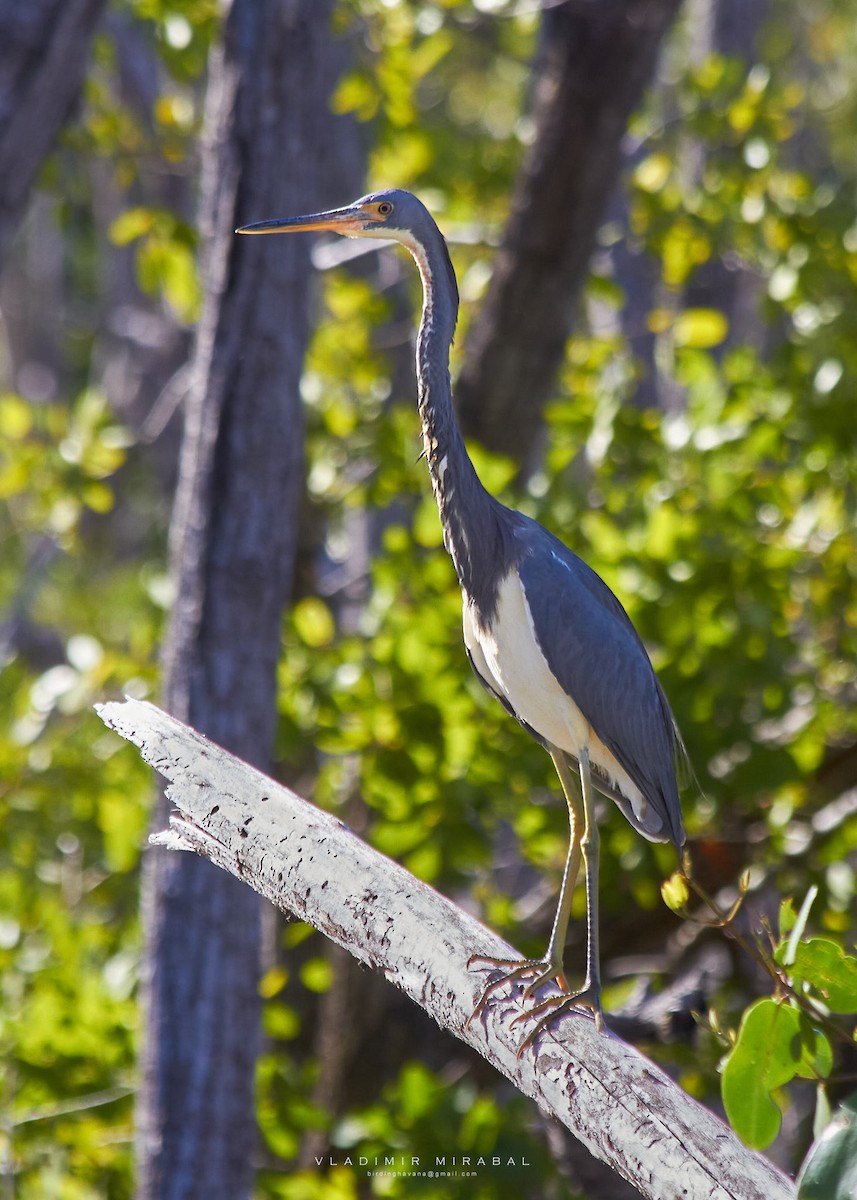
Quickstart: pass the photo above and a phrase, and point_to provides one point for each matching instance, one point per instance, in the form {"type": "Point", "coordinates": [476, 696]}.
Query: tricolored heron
{"type": "Point", "coordinates": [544, 633]}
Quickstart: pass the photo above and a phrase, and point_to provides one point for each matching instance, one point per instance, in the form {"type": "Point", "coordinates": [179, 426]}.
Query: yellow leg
{"type": "Point", "coordinates": [589, 995]}
{"type": "Point", "coordinates": [551, 966]}
{"type": "Point", "coordinates": [589, 845]}
{"type": "Point", "coordinates": [556, 946]}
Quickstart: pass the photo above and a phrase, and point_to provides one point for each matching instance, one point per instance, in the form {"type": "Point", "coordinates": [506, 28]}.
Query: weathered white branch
{"type": "Point", "coordinates": [620, 1105]}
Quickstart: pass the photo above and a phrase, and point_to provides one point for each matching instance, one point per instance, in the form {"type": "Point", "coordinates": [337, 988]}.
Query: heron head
{"type": "Point", "coordinates": [392, 214]}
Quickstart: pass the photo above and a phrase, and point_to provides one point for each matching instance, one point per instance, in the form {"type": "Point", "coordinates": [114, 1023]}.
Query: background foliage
{"type": "Point", "coordinates": [724, 517]}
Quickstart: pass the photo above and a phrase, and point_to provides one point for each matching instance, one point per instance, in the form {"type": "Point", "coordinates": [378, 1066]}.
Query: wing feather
{"type": "Point", "coordinates": [597, 656]}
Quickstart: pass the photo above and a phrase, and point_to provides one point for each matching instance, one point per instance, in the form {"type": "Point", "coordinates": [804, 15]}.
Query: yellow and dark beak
{"type": "Point", "coordinates": [349, 221]}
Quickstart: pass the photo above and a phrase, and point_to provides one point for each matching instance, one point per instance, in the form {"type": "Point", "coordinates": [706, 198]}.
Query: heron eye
{"type": "Point", "coordinates": [385, 208]}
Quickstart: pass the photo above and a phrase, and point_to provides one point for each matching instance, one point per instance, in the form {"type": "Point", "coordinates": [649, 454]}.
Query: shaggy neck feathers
{"type": "Point", "coordinates": [474, 534]}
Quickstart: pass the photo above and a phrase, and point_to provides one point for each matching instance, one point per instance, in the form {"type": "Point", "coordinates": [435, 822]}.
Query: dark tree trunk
{"type": "Point", "coordinates": [233, 543]}
{"type": "Point", "coordinates": [731, 28]}
{"type": "Point", "coordinates": [44, 49]}
{"type": "Point", "coordinates": [595, 61]}
{"type": "Point", "coordinates": [638, 274]}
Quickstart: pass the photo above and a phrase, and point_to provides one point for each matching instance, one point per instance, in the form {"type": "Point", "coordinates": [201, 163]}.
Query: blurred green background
{"type": "Point", "coordinates": [701, 454]}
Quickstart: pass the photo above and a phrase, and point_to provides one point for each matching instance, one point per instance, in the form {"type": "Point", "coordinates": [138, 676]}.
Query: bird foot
{"type": "Point", "coordinates": [553, 1007]}
{"type": "Point", "coordinates": [512, 970]}
{"type": "Point", "coordinates": [586, 997]}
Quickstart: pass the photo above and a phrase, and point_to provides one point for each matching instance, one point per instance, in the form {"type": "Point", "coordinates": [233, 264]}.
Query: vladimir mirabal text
{"type": "Point", "coordinates": [413, 1162]}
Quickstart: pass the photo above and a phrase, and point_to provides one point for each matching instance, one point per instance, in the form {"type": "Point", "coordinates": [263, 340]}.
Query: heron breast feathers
{"type": "Point", "coordinates": [507, 655]}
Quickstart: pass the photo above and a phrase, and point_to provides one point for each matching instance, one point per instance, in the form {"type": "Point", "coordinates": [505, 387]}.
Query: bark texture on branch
{"type": "Point", "coordinates": [595, 60]}
{"type": "Point", "coordinates": [44, 50]}
{"type": "Point", "coordinates": [308, 863]}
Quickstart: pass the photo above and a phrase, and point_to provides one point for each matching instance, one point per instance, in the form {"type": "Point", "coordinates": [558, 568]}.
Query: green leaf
{"type": "Point", "coordinates": [700, 327]}
{"type": "Point", "coordinates": [766, 1055]}
{"type": "Point", "coordinates": [674, 892]}
{"type": "Point", "coordinates": [653, 172]}
{"type": "Point", "coordinates": [280, 1021]}
{"type": "Point", "coordinates": [427, 528]}
{"type": "Point", "coordinates": [131, 225]}
{"type": "Point", "coordinates": [313, 622]}
{"type": "Point", "coordinates": [787, 918]}
{"type": "Point", "coordinates": [822, 1116]}
{"type": "Point", "coordinates": [317, 975]}
{"type": "Point", "coordinates": [796, 924]}
{"type": "Point", "coordinates": [832, 973]}
{"type": "Point", "coordinates": [180, 281]}
{"type": "Point", "coordinates": [97, 496]}
{"type": "Point", "coordinates": [816, 1060]}
{"type": "Point", "coordinates": [359, 94]}
{"type": "Point", "coordinates": [273, 982]}
{"type": "Point", "coordinates": [429, 53]}
{"type": "Point", "coordinates": [16, 419]}
{"type": "Point", "coordinates": [829, 1171]}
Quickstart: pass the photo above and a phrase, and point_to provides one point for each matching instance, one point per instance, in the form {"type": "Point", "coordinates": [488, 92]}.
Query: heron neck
{"type": "Point", "coordinates": [467, 510]}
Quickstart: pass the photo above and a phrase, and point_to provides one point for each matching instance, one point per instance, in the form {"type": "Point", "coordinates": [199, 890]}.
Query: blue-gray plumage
{"type": "Point", "coordinates": [543, 632]}
{"type": "Point", "coordinates": [597, 656]}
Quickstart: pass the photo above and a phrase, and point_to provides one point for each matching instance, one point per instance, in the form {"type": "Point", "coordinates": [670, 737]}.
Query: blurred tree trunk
{"type": "Point", "coordinates": [270, 144]}
{"type": "Point", "coordinates": [593, 66]}
{"type": "Point", "coordinates": [44, 50]}
{"type": "Point", "coordinates": [730, 28]}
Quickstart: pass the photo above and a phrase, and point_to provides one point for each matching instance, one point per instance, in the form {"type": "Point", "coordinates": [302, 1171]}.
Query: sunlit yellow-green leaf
{"type": "Point", "coordinates": [357, 93]}
{"type": "Point", "coordinates": [427, 529]}
{"type": "Point", "coordinates": [316, 975]}
{"type": "Point", "coordinates": [14, 478]}
{"type": "Point", "coordinates": [684, 248]}
{"type": "Point", "coordinates": [653, 172]}
{"type": "Point", "coordinates": [272, 982]}
{"type": "Point", "coordinates": [280, 1021]}
{"type": "Point", "coordinates": [313, 622]}
{"type": "Point", "coordinates": [675, 892]}
{"type": "Point", "coordinates": [700, 327]}
{"type": "Point", "coordinates": [180, 281]}
{"type": "Point", "coordinates": [16, 418]}
{"type": "Point", "coordinates": [134, 223]}
{"type": "Point", "coordinates": [97, 496]}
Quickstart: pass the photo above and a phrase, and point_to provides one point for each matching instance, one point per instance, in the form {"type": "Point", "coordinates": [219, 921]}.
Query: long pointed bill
{"type": "Point", "coordinates": [351, 220]}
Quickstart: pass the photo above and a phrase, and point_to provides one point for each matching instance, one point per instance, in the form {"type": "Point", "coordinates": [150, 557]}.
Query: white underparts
{"type": "Point", "coordinates": [508, 657]}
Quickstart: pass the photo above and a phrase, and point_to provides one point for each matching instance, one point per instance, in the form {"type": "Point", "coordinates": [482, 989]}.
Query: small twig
{"type": "Point", "coordinates": [71, 1107]}
{"type": "Point", "coordinates": [753, 948]}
